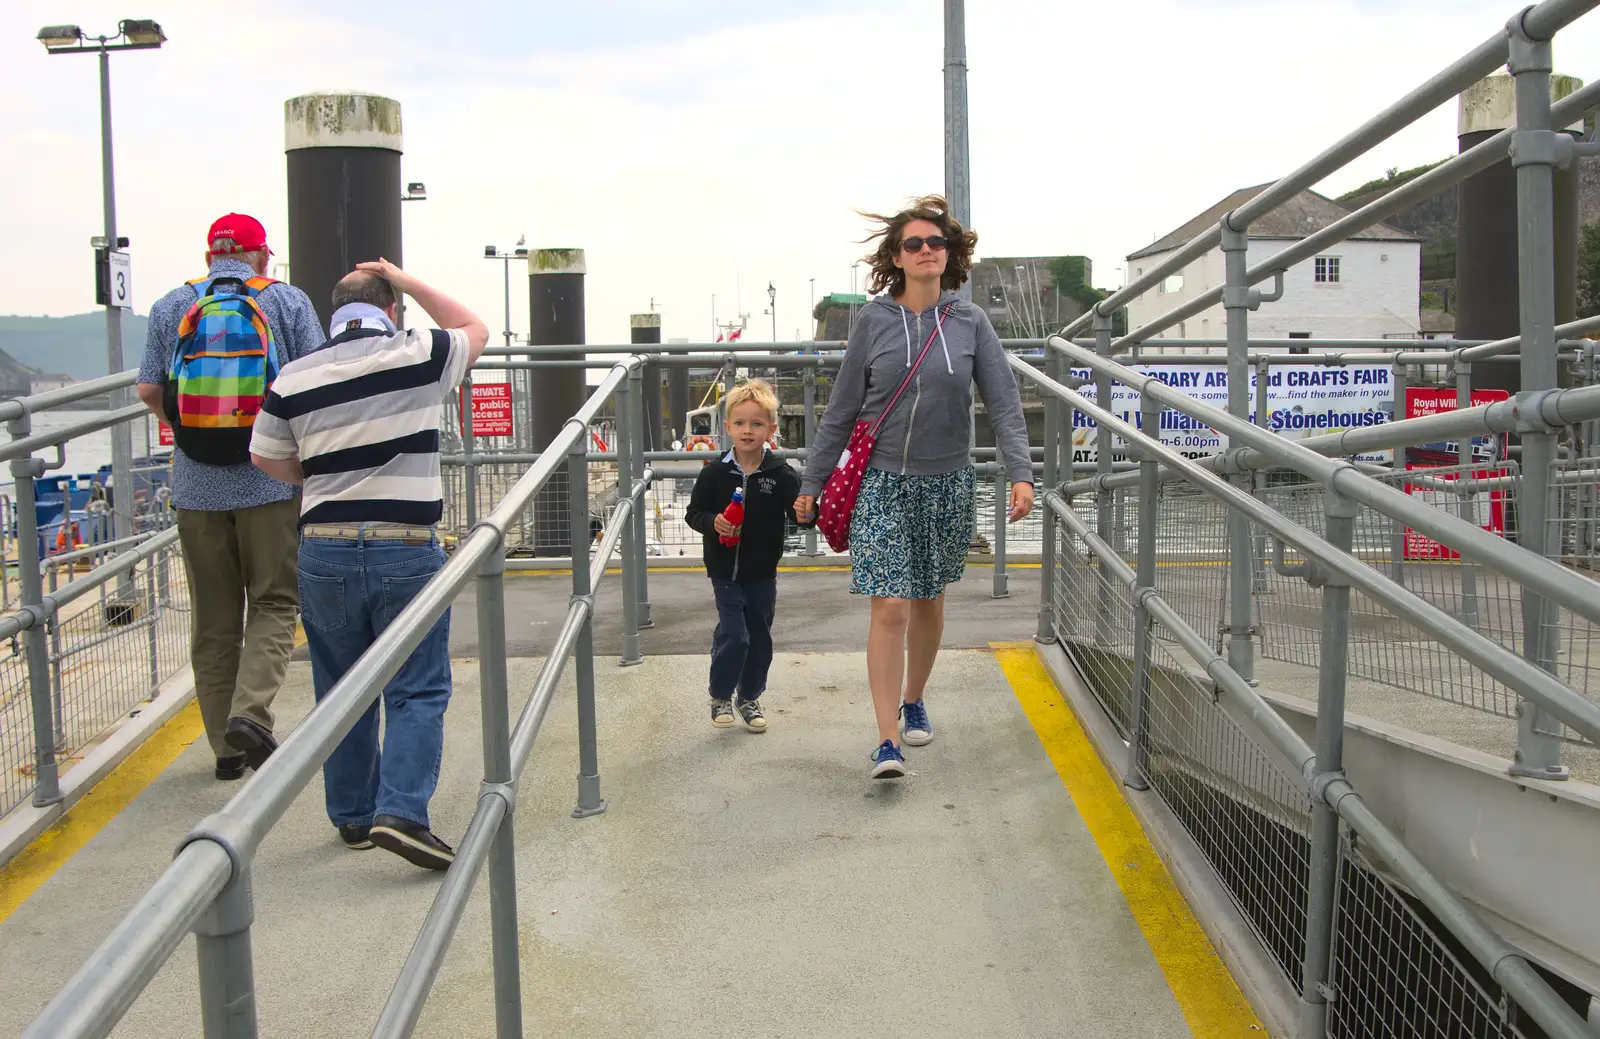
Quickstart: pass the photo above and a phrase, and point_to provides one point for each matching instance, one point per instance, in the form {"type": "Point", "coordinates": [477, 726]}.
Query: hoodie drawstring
{"type": "Point", "coordinates": [905, 325]}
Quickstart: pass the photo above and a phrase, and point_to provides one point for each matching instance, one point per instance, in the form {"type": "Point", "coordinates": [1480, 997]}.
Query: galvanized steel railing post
{"type": "Point", "coordinates": [469, 443]}
{"type": "Point", "coordinates": [1145, 575]}
{"type": "Point", "coordinates": [35, 641]}
{"type": "Point", "coordinates": [589, 800]}
{"type": "Point", "coordinates": [1341, 514]}
{"type": "Point", "coordinates": [808, 382]}
{"type": "Point", "coordinates": [1397, 530]}
{"type": "Point", "coordinates": [1533, 156]}
{"type": "Point", "coordinates": [630, 586]}
{"type": "Point", "coordinates": [494, 686]}
{"type": "Point", "coordinates": [1259, 476]}
{"type": "Point", "coordinates": [1104, 503]}
{"type": "Point", "coordinates": [641, 560]}
{"type": "Point", "coordinates": [1236, 304]}
{"type": "Point", "coordinates": [1046, 632]}
{"type": "Point", "coordinates": [1466, 498]}
{"type": "Point", "coordinates": [222, 937]}
{"type": "Point", "coordinates": [1002, 500]}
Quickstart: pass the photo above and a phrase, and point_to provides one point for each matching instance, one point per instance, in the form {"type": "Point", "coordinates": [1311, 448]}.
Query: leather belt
{"type": "Point", "coordinates": [340, 532]}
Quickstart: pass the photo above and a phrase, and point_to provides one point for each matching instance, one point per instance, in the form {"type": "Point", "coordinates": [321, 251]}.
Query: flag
{"type": "Point", "coordinates": [735, 334]}
{"type": "Point", "coordinates": [719, 337]}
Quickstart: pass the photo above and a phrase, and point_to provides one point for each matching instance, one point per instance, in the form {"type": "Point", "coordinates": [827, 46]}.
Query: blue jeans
{"type": "Point", "coordinates": [350, 591]}
{"type": "Point", "coordinates": [741, 647]}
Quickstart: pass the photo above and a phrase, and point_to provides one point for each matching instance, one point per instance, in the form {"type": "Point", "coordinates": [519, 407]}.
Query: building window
{"type": "Point", "coordinates": [1171, 283]}
{"type": "Point", "coordinates": [997, 296]}
{"type": "Point", "coordinates": [1327, 270]}
{"type": "Point", "coordinates": [1300, 335]}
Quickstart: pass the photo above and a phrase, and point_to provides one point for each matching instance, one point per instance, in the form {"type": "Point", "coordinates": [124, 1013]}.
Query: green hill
{"type": "Point", "coordinates": [74, 346]}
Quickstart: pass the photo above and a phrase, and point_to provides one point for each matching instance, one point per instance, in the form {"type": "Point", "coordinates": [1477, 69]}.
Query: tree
{"type": "Point", "coordinates": [1589, 271]}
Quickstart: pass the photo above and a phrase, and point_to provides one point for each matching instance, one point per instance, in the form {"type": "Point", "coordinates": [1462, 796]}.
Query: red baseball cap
{"type": "Point", "coordinates": [246, 231]}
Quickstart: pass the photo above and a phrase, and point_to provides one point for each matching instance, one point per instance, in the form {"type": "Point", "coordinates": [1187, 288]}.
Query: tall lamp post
{"type": "Point", "coordinates": [772, 300]}
{"type": "Point", "coordinates": [111, 263]}
{"type": "Point", "coordinates": [416, 191]}
{"type": "Point", "coordinates": [507, 256]}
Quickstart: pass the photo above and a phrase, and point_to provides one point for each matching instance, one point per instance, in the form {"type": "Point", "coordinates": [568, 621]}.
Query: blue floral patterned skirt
{"type": "Point", "coordinates": [909, 535]}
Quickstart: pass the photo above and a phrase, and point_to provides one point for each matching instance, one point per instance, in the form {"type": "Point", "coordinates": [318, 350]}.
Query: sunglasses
{"type": "Point", "coordinates": [935, 242]}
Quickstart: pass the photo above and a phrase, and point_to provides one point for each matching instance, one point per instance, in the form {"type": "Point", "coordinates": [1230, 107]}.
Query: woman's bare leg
{"type": "Point", "coordinates": [886, 662]}
{"type": "Point", "coordinates": [923, 634]}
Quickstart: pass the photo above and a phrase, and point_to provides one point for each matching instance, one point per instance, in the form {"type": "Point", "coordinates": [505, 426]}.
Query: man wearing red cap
{"type": "Point", "coordinates": [237, 525]}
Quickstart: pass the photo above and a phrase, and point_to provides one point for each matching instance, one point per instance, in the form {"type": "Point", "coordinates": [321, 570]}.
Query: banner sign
{"type": "Point", "coordinates": [1302, 401]}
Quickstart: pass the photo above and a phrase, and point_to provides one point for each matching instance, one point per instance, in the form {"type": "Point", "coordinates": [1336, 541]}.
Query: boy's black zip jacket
{"type": "Point", "coordinates": [769, 495]}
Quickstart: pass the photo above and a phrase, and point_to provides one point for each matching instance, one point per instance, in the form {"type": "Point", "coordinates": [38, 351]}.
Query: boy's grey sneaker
{"type": "Point", "coordinates": [915, 728]}
{"type": "Point", "coordinates": [721, 713]}
{"type": "Point", "coordinates": [750, 711]}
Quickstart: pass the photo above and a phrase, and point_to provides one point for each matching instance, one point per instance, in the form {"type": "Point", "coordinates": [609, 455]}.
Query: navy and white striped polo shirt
{"type": "Point", "coordinates": [363, 416]}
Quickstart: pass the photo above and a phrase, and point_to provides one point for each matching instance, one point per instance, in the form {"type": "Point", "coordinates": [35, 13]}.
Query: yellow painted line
{"type": "Point", "coordinates": [1206, 992]}
{"type": "Point", "coordinates": [55, 847]}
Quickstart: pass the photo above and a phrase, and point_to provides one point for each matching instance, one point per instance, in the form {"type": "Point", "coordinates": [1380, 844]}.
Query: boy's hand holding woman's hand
{"type": "Point", "coordinates": [805, 509]}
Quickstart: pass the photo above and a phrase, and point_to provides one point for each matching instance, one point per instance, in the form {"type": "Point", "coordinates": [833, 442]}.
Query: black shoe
{"type": "Point", "coordinates": [356, 838]}
{"type": "Point", "coordinates": [411, 841]}
{"type": "Point", "coordinates": [256, 742]}
{"type": "Point", "coordinates": [231, 767]}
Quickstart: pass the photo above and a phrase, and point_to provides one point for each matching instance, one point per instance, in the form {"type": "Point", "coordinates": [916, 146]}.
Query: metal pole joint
{"type": "Point", "coordinates": [1321, 782]}
{"type": "Point", "coordinates": [234, 836]}
{"type": "Point", "coordinates": [1526, 53]}
{"type": "Point", "coordinates": [494, 564]}
{"type": "Point", "coordinates": [587, 600]}
{"type": "Point", "coordinates": [506, 792]}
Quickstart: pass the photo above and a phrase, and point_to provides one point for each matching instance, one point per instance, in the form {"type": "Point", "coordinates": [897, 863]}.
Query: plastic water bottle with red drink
{"type": "Point", "coordinates": [734, 514]}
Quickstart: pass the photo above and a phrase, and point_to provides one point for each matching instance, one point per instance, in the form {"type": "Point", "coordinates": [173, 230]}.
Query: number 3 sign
{"type": "Point", "coordinates": [121, 280]}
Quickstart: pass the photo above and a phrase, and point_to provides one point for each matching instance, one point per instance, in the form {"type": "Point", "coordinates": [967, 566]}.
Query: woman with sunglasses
{"type": "Point", "coordinates": [912, 524]}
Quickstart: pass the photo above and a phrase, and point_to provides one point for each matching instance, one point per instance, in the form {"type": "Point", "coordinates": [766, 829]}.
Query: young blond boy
{"type": "Point", "coordinates": [744, 576]}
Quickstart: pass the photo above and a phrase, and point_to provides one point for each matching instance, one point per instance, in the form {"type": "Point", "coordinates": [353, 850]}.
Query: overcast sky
{"type": "Point", "coordinates": [705, 147]}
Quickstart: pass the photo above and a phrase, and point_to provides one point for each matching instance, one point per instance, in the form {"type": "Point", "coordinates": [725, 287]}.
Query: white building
{"type": "Point", "coordinates": [1363, 288]}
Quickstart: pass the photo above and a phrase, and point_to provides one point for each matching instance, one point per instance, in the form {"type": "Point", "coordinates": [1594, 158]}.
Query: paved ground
{"type": "Point", "coordinates": [740, 885]}
{"type": "Point", "coordinates": [816, 613]}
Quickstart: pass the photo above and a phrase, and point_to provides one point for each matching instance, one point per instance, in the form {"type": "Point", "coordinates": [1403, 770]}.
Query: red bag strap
{"type": "Point", "coordinates": [911, 372]}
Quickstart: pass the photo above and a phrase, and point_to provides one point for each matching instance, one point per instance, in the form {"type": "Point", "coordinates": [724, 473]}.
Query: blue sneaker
{"type": "Point", "coordinates": [915, 728]}
{"type": "Point", "coordinates": [888, 762]}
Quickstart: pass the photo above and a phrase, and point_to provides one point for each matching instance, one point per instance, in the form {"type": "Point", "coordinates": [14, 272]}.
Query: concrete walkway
{"type": "Point", "coordinates": [739, 885]}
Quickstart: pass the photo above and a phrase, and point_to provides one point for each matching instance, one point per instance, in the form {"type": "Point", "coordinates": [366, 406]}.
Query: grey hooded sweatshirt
{"type": "Point", "coordinates": [930, 430]}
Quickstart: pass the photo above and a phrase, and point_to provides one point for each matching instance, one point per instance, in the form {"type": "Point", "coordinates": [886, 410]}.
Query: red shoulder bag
{"type": "Point", "coordinates": [838, 499]}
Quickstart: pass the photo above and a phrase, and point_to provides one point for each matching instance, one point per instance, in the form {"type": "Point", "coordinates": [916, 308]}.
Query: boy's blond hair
{"type": "Point", "coordinates": [758, 391]}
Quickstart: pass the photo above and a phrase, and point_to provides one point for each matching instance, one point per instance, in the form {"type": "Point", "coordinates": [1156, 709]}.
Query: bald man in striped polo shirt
{"type": "Point", "coordinates": [357, 424]}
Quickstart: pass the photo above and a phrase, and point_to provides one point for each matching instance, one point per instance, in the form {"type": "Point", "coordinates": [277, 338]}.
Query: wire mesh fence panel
{"type": "Point", "coordinates": [16, 727]}
{"type": "Point", "coordinates": [1246, 814]}
{"type": "Point", "coordinates": [1192, 557]}
{"type": "Point", "coordinates": [112, 651]}
{"type": "Point", "coordinates": [1574, 538]}
{"type": "Point", "coordinates": [1094, 619]}
{"type": "Point", "coordinates": [1396, 975]}
{"type": "Point", "coordinates": [1386, 650]}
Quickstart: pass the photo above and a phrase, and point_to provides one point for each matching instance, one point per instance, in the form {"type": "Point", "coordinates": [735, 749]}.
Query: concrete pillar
{"type": "Point", "coordinates": [678, 399]}
{"type": "Point", "coordinates": [556, 318]}
{"type": "Point", "coordinates": [645, 329]}
{"type": "Point", "coordinates": [1487, 286]}
{"type": "Point", "coordinates": [344, 187]}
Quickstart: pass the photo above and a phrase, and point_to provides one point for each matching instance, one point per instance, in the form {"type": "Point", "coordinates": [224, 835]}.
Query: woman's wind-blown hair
{"type": "Point", "coordinates": [886, 276]}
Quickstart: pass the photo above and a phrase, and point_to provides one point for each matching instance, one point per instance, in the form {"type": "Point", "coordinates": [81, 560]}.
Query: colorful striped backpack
{"type": "Point", "coordinates": [223, 365]}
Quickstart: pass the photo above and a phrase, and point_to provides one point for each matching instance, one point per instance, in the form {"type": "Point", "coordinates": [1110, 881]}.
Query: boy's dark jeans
{"type": "Point", "coordinates": [741, 647]}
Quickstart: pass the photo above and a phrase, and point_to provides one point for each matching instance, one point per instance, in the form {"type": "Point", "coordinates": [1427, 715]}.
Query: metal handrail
{"type": "Point", "coordinates": [16, 407]}
{"type": "Point", "coordinates": [207, 886]}
{"type": "Point", "coordinates": [1572, 591]}
{"type": "Point", "coordinates": [51, 603]}
{"type": "Point", "coordinates": [1504, 962]}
